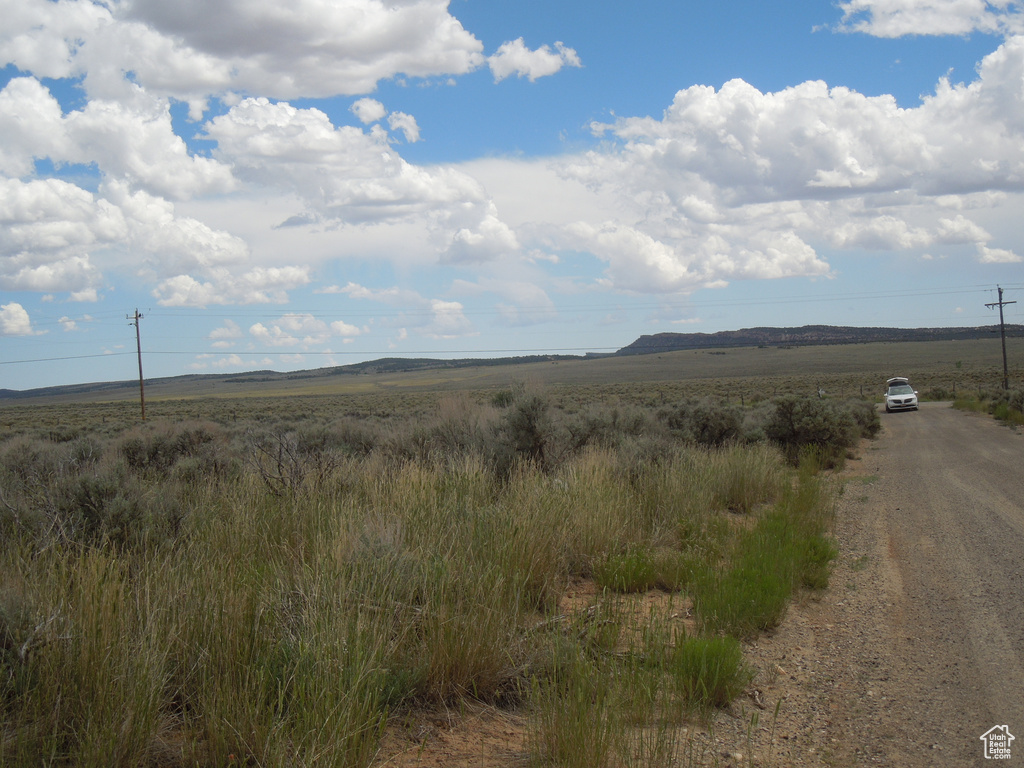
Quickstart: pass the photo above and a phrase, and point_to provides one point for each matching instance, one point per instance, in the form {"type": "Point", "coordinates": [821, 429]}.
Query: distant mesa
{"type": "Point", "coordinates": [804, 336]}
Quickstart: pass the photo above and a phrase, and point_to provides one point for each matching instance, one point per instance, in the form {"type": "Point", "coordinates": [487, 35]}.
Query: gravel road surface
{"type": "Point", "coordinates": [941, 521]}
{"type": "Point", "coordinates": [917, 648]}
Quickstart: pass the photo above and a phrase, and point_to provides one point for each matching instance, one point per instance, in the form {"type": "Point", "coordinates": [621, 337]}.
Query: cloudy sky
{"type": "Point", "coordinates": [319, 182]}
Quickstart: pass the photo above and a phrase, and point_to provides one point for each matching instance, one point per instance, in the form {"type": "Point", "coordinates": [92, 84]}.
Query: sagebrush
{"type": "Point", "coordinates": [271, 591]}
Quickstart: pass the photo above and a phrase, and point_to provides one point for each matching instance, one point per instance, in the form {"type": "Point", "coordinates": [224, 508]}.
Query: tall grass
{"type": "Point", "coordinates": [708, 671]}
{"type": "Point", "coordinates": [623, 697]}
{"type": "Point", "coordinates": [165, 598]}
{"type": "Point", "coordinates": [89, 692]}
{"type": "Point", "coordinates": [576, 722]}
{"type": "Point", "coordinates": [788, 547]}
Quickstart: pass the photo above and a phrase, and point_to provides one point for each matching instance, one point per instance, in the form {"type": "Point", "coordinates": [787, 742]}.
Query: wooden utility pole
{"type": "Point", "coordinates": [1002, 332]}
{"type": "Point", "coordinates": [138, 344]}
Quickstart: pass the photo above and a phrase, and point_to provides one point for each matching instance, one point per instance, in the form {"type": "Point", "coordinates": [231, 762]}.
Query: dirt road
{"type": "Point", "coordinates": [941, 521]}
{"type": "Point", "coordinates": [917, 649]}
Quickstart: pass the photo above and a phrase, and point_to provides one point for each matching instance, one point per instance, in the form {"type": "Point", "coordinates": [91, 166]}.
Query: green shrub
{"type": "Point", "coordinates": [320, 574]}
{"type": "Point", "coordinates": [63, 433]}
{"type": "Point", "coordinates": [937, 393]}
{"type": "Point", "coordinates": [107, 507]}
{"type": "Point", "coordinates": [1005, 405]}
{"type": "Point", "coordinates": [797, 423]}
{"type": "Point", "coordinates": [675, 570]}
{"type": "Point", "coordinates": [1004, 412]}
{"type": "Point", "coordinates": [286, 460]}
{"type": "Point", "coordinates": [966, 402]}
{"type": "Point", "coordinates": [752, 593]}
{"type": "Point", "coordinates": [27, 464]}
{"type": "Point", "coordinates": [865, 415]}
{"type": "Point", "coordinates": [155, 452]}
{"type": "Point", "coordinates": [526, 427]}
{"type": "Point", "coordinates": [347, 437]}
{"type": "Point", "coordinates": [524, 432]}
{"type": "Point", "coordinates": [96, 505]}
{"type": "Point", "coordinates": [503, 398]}
{"type": "Point", "coordinates": [459, 429]}
{"type": "Point", "coordinates": [207, 466]}
{"type": "Point", "coordinates": [705, 422]}
{"type": "Point", "coordinates": [1014, 398]}
{"type": "Point", "coordinates": [606, 428]}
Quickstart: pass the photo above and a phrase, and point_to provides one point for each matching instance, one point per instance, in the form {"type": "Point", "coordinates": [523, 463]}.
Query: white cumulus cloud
{"type": "Point", "coordinates": [112, 133]}
{"type": "Point", "coordinates": [736, 183]}
{"type": "Point", "coordinates": [898, 18]}
{"type": "Point", "coordinates": [515, 58]}
{"type": "Point", "coordinates": [14, 320]}
{"type": "Point", "coordinates": [400, 121]}
{"type": "Point", "coordinates": [302, 330]}
{"type": "Point", "coordinates": [260, 285]}
{"type": "Point", "coordinates": [47, 230]}
{"type": "Point", "coordinates": [341, 172]}
{"type": "Point", "coordinates": [347, 331]}
{"type": "Point", "coordinates": [489, 239]}
{"type": "Point", "coordinates": [348, 176]}
{"type": "Point", "coordinates": [988, 255]}
{"type": "Point", "coordinates": [131, 140]}
{"type": "Point", "coordinates": [369, 110]}
{"type": "Point", "coordinates": [225, 336]}
{"type": "Point", "coordinates": [193, 48]}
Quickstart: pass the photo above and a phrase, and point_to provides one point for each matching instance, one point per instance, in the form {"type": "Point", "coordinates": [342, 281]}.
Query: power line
{"type": "Point", "coordinates": [71, 357]}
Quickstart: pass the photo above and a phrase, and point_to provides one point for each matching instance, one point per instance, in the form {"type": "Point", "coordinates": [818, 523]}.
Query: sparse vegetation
{"type": "Point", "coordinates": [1005, 405]}
{"type": "Point", "coordinates": [273, 589]}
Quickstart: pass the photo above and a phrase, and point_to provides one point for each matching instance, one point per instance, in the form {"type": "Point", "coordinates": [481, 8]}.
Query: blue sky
{"type": "Point", "coordinates": [328, 181]}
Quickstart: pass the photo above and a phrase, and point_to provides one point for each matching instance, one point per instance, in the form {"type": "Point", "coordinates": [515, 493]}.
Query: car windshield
{"type": "Point", "coordinates": [901, 389]}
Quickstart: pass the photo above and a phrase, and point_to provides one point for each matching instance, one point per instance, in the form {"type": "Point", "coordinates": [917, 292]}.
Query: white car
{"type": "Point", "coordinates": [899, 395]}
